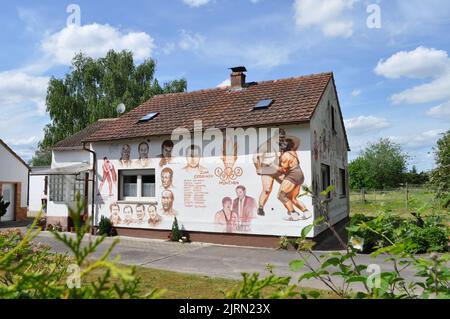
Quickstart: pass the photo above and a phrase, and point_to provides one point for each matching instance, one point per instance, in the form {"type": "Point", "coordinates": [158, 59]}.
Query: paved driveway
{"type": "Point", "coordinates": [206, 259]}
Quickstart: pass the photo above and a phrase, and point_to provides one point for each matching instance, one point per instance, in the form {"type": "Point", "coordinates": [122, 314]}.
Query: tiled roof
{"type": "Point", "coordinates": [295, 100]}
{"type": "Point", "coordinates": [75, 141]}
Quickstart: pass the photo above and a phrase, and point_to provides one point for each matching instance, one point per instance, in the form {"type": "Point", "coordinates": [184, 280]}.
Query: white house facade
{"type": "Point", "coordinates": [230, 164]}
{"type": "Point", "coordinates": [13, 183]}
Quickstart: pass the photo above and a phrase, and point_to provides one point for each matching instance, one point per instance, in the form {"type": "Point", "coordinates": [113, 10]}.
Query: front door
{"type": "Point", "coordinates": [8, 197]}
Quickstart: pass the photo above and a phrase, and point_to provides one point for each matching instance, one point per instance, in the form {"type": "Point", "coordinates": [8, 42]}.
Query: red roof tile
{"type": "Point", "coordinates": [295, 100]}
{"type": "Point", "coordinates": [75, 141]}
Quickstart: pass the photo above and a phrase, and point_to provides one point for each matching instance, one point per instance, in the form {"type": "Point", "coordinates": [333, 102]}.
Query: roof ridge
{"type": "Point", "coordinates": [228, 87]}
{"type": "Point", "coordinates": [297, 77]}
{"type": "Point", "coordinates": [105, 119]}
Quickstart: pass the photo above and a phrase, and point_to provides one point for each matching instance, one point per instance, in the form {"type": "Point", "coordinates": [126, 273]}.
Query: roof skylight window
{"type": "Point", "coordinates": [148, 117]}
{"type": "Point", "coordinates": [263, 104]}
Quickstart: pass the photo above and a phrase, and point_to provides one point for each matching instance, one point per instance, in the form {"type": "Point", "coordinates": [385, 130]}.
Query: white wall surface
{"type": "Point", "coordinates": [331, 149]}
{"type": "Point", "coordinates": [14, 171]}
{"type": "Point", "coordinates": [37, 184]}
{"type": "Point", "coordinates": [206, 188]}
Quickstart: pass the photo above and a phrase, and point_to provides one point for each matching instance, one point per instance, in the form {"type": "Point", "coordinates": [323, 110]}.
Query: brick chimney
{"type": "Point", "coordinates": [237, 77]}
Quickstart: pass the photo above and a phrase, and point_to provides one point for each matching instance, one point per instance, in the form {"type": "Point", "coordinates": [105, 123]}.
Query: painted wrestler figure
{"type": "Point", "coordinates": [266, 161]}
{"type": "Point", "coordinates": [292, 181]}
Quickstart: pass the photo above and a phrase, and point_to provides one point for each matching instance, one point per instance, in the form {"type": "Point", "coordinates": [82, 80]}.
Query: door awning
{"type": "Point", "coordinates": [73, 169]}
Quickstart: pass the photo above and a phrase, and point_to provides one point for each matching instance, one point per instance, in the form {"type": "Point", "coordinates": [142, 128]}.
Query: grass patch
{"type": "Point", "coordinates": [394, 200]}
{"type": "Point", "coordinates": [191, 286]}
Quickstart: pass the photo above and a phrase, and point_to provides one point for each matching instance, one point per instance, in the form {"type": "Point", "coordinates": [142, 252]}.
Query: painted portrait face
{"type": "Point", "coordinates": [115, 210]}
{"type": "Point", "coordinates": [126, 150]}
{"type": "Point", "coordinates": [240, 192]}
{"type": "Point", "coordinates": [152, 212]}
{"type": "Point", "coordinates": [143, 150]}
{"type": "Point", "coordinates": [226, 203]}
{"type": "Point", "coordinates": [167, 148]}
{"type": "Point", "coordinates": [167, 200]}
{"type": "Point", "coordinates": [166, 178]}
{"type": "Point", "coordinates": [193, 155]}
{"type": "Point", "coordinates": [140, 212]}
{"type": "Point", "coordinates": [128, 212]}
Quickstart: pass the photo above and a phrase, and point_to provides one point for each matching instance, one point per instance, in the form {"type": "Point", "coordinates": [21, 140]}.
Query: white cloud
{"type": "Point", "coordinates": [420, 63]}
{"type": "Point", "coordinates": [364, 124]}
{"type": "Point", "coordinates": [327, 15]}
{"type": "Point", "coordinates": [356, 92]}
{"type": "Point", "coordinates": [17, 87]}
{"type": "Point", "coordinates": [264, 55]}
{"type": "Point", "coordinates": [436, 90]}
{"type": "Point", "coordinates": [417, 64]}
{"type": "Point", "coordinates": [95, 40]}
{"type": "Point", "coordinates": [224, 83]}
{"type": "Point", "coordinates": [190, 40]}
{"type": "Point", "coordinates": [31, 141]}
{"type": "Point", "coordinates": [441, 111]}
{"type": "Point", "coordinates": [420, 140]}
{"type": "Point", "coordinates": [196, 3]}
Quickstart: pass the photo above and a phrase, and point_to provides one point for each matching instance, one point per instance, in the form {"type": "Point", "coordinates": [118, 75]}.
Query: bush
{"type": "Point", "coordinates": [105, 227]}
{"type": "Point", "coordinates": [3, 207]}
{"type": "Point", "coordinates": [426, 235]}
{"type": "Point", "coordinates": [176, 233]}
{"type": "Point", "coordinates": [56, 228]}
{"type": "Point", "coordinates": [427, 239]}
{"type": "Point", "coordinates": [29, 270]}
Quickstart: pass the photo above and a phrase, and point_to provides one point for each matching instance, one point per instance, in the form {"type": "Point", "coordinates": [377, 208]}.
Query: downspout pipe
{"type": "Point", "coordinates": [94, 178]}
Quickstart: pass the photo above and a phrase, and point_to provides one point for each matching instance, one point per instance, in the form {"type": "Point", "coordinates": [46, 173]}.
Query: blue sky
{"type": "Point", "coordinates": [392, 81]}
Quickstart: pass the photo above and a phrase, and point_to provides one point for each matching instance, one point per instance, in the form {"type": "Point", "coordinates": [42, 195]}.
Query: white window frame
{"type": "Point", "coordinates": [77, 185]}
{"type": "Point", "coordinates": [138, 174]}
{"type": "Point", "coordinates": [57, 188]}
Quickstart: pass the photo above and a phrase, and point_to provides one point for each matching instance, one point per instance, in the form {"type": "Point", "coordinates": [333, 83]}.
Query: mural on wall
{"type": "Point", "coordinates": [226, 219]}
{"type": "Point", "coordinates": [229, 173]}
{"type": "Point", "coordinates": [125, 160]}
{"type": "Point", "coordinates": [109, 175]}
{"type": "Point", "coordinates": [193, 159]}
{"type": "Point", "coordinates": [166, 153]}
{"type": "Point", "coordinates": [167, 201]}
{"type": "Point", "coordinates": [142, 216]}
{"type": "Point", "coordinates": [238, 197]}
{"type": "Point", "coordinates": [284, 167]}
{"type": "Point", "coordinates": [143, 160]}
{"type": "Point", "coordinates": [167, 178]}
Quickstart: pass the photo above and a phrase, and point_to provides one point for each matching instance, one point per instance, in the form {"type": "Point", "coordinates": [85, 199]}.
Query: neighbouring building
{"type": "Point", "coordinates": [13, 183]}
{"type": "Point", "coordinates": [38, 190]}
{"type": "Point", "coordinates": [176, 156]}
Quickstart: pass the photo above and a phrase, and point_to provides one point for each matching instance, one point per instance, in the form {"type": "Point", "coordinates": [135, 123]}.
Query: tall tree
{"type": "Point", "coordinates": [92, 90]}
{"type": "Point", "coordinates": [380, 165]}
{"type": "Point", "coordinates": [440, 176]}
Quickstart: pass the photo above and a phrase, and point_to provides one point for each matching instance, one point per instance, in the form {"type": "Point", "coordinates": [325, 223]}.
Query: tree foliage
{"type": "Point", "coordinates": [415, 178]}
{"type": "Point", "coordinates": [93, 89]}
{"type": "Point", "coordinates": [440, 176]}
{"type": "Point", "coordinates": [380, 165]}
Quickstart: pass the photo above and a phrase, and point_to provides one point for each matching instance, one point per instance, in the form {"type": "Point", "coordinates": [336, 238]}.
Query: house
{"type": "Point", "coordinates": [229, 163]}
{"type": "Point", "coordinates": [13, 183]}
{"type": "Point", "coordinates": [38, 190]}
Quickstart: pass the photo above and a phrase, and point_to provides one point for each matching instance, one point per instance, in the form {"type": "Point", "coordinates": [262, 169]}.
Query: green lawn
{"type": "Point", "coordinates": [393, 200]}
{"type": "Point", "coordinates": [189, 286]}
